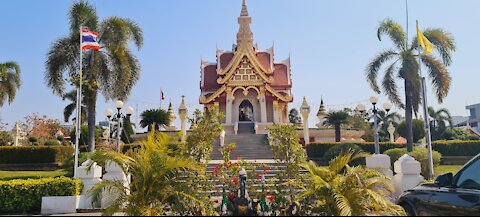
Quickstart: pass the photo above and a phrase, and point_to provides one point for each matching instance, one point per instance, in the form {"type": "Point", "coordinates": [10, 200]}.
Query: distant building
{"type": "Point", "coordinates": [473, 120]}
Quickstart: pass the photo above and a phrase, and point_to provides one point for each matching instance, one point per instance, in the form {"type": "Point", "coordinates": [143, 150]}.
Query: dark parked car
{"type": "Point", "coordinates": [449, 196]}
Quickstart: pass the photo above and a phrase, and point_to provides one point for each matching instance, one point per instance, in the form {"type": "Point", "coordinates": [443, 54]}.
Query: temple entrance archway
{"type": "Point", "coordinates": [245, 111]}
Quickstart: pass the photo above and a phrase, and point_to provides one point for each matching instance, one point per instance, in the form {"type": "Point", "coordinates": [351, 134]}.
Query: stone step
{"type": "Point", "coordinates": [248, 146]}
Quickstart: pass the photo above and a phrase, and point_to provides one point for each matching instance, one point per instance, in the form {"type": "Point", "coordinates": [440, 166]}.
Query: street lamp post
{"type": "Point", "coordinates": [387, 107]}
{"type": "Point", "coordinates": [118, 119]}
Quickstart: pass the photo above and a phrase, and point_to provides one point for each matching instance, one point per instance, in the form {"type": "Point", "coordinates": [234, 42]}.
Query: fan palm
{"type": "Point", "coordinates": [341, 190]}
{"type": "Point", "coordinates": [9, 81]}
{"type": "Point", "coordinates": [403, 63]}
{"type": "Point", "coordinates": [70, 108]}
{"type": "Point", "coordinates": [160, 180]}
{"type": "Point", "coordinates": [336, 119]}
{"type": "Point", "coordinates": [156, 117]}
{"type": "Point", "coordinates": [439, 121]}
{"type": "Point", "coordinates": [113, 70]}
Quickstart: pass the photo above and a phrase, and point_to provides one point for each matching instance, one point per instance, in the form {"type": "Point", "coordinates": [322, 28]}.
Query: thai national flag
{"type": "Point", "coordinates": [89, 40]}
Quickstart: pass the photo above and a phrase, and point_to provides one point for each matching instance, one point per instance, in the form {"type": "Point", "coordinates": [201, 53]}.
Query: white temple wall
{"type": "Point", "coordinates": [239, 98]}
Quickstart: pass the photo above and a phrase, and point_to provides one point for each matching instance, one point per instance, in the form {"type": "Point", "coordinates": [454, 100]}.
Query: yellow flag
{"type": "Point", "coordinates": [424, 42]}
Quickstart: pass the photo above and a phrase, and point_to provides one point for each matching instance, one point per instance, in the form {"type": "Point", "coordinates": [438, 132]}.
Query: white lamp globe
{"type": "Point", "coordinates": [109, 113]}
{"type": "Point", "coordinates": [360, 107]}
{"type": "Point", "coordinates": [387, 106]}
{"type": "Point", "coordinates": [373, 100]}
{"type": "Point", "coordinates": [119, 104]}
{"type": "Point", "coordinates": [129, 110]}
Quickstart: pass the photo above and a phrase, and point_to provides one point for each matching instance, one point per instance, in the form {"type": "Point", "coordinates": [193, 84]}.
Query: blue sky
{"type": "Point", "coordinates": [330, 43]}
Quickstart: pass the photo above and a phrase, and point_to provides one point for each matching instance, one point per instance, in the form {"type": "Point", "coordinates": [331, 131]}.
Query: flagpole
{"type": "Point", "coordinates": [428, 135]}
{"type": "Point", "coordinates": [79, 110]}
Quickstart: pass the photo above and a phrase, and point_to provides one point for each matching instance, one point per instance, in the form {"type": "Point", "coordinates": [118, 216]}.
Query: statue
{"type": "Point", "coordinates": [243, 204]}
{"type": "Point", "coordinates": [391, 131]}
{"type": "Point", "coordinates": [222, 138]}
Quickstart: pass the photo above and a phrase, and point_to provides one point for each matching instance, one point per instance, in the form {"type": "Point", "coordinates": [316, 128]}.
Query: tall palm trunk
{"type": "Point", "coordinates": [337, 133]}
{"type": "Point", "coordinates": [91, 112]}
{"type": "Point", "coordinates": [409, 115]}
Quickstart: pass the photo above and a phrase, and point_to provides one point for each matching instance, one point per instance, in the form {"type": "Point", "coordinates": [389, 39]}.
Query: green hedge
{"type": "Point", "coordinates": [21, 196]}
{"type": "Point", "coordinates": [446, 148]}
{"type": "Point", "coordinates": [34, 154]}
{"type": "Point", "coordinates": [457, 147]}
{"type": "Point", "coordinates": [318, 150]}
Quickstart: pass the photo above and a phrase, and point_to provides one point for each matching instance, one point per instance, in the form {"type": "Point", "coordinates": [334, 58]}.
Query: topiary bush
{"type": "Point", "coordinates": [34, 154]}
{"type": "Point", "coordinates": [51, 142]}
{"type": "Point", "coordinates": [457, 147]}
{"type": "Point", "coordinates": [420, 154]}
{"type": "Point", "coordinates": [21, 196]}
{"type": "Point", "coordinates": [318, 150]}
{"type": "Point", "coordinates": [338, 150]}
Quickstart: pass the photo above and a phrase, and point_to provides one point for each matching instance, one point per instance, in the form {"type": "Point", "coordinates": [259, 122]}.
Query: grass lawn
{"type": "Point", "coordinates": [447, 169]}
{"type": "Point", "coordinates": [9, 175]}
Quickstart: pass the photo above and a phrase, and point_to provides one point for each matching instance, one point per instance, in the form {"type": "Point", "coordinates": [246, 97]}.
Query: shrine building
{"type": "Point", "coordinates": [246, 84]}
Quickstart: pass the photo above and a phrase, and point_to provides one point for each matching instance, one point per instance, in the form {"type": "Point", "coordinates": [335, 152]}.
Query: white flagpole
{"type": "Point", "coordinates": [79, 110]}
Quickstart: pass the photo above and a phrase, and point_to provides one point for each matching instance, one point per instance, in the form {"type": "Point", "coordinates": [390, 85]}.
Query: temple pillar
{"type": "Point", "coordinates": [263, 106]}
{"type": "Point", "coordinates": [275, 112]}
{"type": "Point", "coordinates": [228, 107]}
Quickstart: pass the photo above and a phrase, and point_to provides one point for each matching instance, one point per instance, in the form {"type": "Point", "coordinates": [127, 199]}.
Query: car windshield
{"type": "Point", "coordinates": [470, 177]}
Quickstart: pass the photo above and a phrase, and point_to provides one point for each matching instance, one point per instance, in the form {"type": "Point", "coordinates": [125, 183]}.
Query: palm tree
{"type": "Point", "coordinates": [9, 81]}
{"type": "Point", "coordinates": [439, 120]}
{"type": "Point", "coordinates": [341, 190]}
{"type": "Point", "coordinates": [404, 64]}
{"type": "Point", "coordinates": [336, 119]}
{"type": "Point", "coordinates": [386, 118]}
{"type": "Point", "coordinates": [70, 108]}
{"type": "Point", "coordinates": [112, 71]}
{"type": "Point", "coordinates": [161, 180]}
{"type": "Point", "coordinates": [156, 117]}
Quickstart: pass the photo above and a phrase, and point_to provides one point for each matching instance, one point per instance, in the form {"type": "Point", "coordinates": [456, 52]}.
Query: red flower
{"type": "Point", "coordinates": [238, 157]}
{"type": "Point", "coordinates": [230, 196]}
{"type": "Point", "coordinates": [216, 201]}
{"type": "Point", "coordinates": [271, 198]}
{"type": "Point", "coordinates": [259, 177]}
{"type": "Point", "coordinates": [266, 171]}
{"type": "Point", "coordinates": [235, 180]}
{"type": "Point", "coordinates": [215, 172]}
{"type": "Point", "coordinates": [237, 164]}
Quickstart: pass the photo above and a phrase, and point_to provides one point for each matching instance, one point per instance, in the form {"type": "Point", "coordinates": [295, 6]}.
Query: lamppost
{"type": "Point", "coordinates": [387, 107]}
{"type": "Point", "coordinates": [183, 113]}
{"type": "Point", "coordinates": [118, 119]}
{"type": "Point", "coordinates": [305, 111]}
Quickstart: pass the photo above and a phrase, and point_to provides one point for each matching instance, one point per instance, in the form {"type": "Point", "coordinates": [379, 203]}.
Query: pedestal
{"type": "Point", "coordinates": [381, 163]}
{"type": "Point", "coordinates": [408, 174]}
{"type": "Point", "coordinates": [89, 180]}
{"type": "Point", "coordinates": [114, 173]}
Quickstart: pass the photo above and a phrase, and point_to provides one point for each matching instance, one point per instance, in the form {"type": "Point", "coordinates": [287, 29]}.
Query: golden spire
{"type": "Point", "coordinates": [322, 112]}
{"type": "Point", "coordinates": [244, 34]}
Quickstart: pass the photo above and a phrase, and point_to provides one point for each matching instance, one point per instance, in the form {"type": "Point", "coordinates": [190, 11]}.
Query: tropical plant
{"type": "Point", "coordinates": [9, 81]}
{"type": "Point", "coordinates": [287, 151]}
{"type": "Point", "coordinates": [294, 116]}
{"type": "Point", "coordinates": [127, 131]}
{"type": "Point", "coordinates": [113, 70]}
{"type": "Point", "coordinates": [72, 106]}
{"type": "Point", "coordinates": [439, 121]}
{"type": "Point", "coordinates": [336, 119]}
{"type": "Point", "coordinates": [161, 183]}
{"type": "Point", "coordinates": [154, 117]}
{"type": "Point", "coordinates": [404, 64]}
{"type": "Point", "coordinates": [341, 190]}
{"type": "Point", "coordinates": [418, 130]}
{"type": "Point", "coordinates": [200, 139]}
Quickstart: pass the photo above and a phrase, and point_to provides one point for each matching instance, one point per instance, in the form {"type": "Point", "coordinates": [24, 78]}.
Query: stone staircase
{"type": "Point", "coordinates": [249, 147]}
{"type": "Point", "coordinates": [246, 128]}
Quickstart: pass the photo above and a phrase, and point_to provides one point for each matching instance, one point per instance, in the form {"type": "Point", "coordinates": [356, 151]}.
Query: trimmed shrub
{"type": "Point", "coordinates": [318, 150]}
{"type": "Point", "coordinates": [457, 147]}
{"type": "Point", "coordinates": [51, 142]}
{"type": "Point", "coordinates": [420, 154]}
{"type": "Point", "coordinates": [338, 150]}
{"type": "Point", "coordinates": [34, 154]}
{"type": "Point", "coordinates": [21, 196]}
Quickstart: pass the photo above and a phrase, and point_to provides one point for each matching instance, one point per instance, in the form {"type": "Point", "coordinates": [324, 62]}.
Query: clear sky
{"type": "Point", "coordinates": [330, 43]}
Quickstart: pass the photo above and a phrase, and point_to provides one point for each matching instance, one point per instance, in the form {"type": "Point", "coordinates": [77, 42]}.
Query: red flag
{"type": "Point", "coordinates": [162, 95]}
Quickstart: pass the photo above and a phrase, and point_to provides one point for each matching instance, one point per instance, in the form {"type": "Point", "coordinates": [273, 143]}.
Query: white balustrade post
{"type": "Point", "coordinates": [89, 180]}
{"type": "Point", "coordinates": [407, 176]}
{"type": "Point", "coordinates": [380, 163]}
{"type": "Point", "coordinates": [114, 173]}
